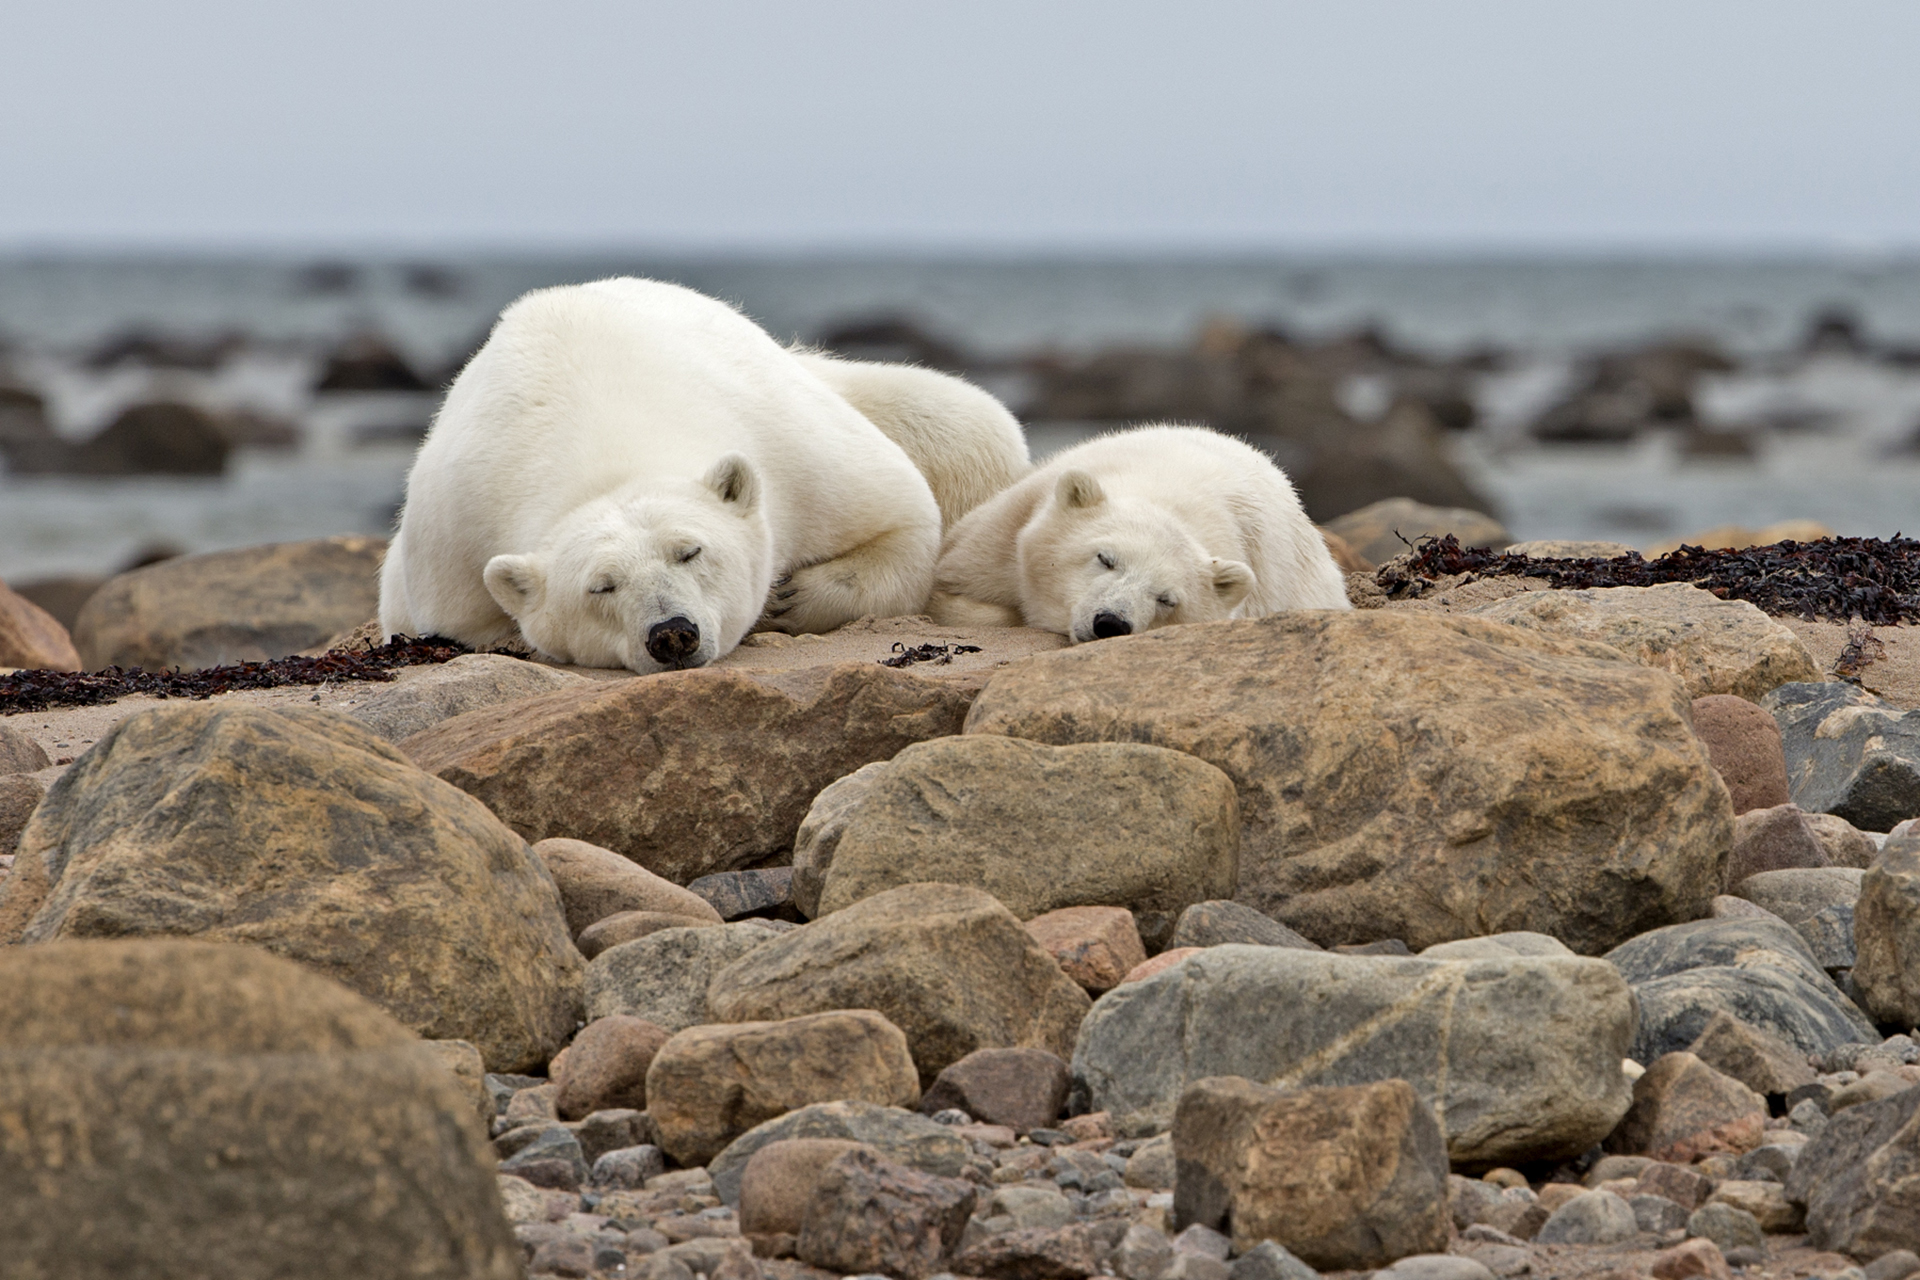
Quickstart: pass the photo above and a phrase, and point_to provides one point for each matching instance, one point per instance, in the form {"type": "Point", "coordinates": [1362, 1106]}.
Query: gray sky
{"type": "Point", "coordinates": [1203, 124]}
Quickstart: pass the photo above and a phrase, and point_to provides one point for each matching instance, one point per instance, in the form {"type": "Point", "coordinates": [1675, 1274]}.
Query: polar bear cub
{"type": "Point", "coordinates": [1135, 530]}
{"type": "Point", "coordinates": [964, 441]}
{"type": "Point", "coordinates": [628, 473]}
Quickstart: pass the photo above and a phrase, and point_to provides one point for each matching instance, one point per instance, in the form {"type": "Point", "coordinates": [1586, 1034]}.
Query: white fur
{"type": "Point", "coordinates": [1197, 527]}
{"type": "Point", "coordinates": [602, 434]}
{"type": "Point", "coordinates": [963, 440]}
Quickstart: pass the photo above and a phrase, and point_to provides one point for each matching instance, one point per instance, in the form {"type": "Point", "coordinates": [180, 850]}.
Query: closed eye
{"type": "Point", "coordinates": [689, 554]}
{"type": "Point", "coordinates": [601, 589]}
{"type": "Point", "coordinates": [1168, 602]}
{"type": "Point", "coordinates": [1106, 561]}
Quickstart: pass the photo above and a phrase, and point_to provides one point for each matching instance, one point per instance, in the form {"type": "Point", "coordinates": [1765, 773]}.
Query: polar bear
{"type": "Point", "coordinates": [629, 473]}
{"type": "Point", "coordinates": [1135, 530]}
{"type": "Point", "coordinates": [964, 441]}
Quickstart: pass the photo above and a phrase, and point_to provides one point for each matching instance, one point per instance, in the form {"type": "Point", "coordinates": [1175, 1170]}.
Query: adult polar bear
{"type": "Point", "coordinates": [1135, 530]}
{"type": "Point", "coordinates": [629, 473]}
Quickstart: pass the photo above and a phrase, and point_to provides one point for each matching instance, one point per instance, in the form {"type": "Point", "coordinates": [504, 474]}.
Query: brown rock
{"type": "Point", "coordinates": [1345, 1178]}
{"type": "Point", "coordinates": [185, 1108]}
{"type": "Point", "coordinates": [1715, 645]}
{"type": "Point", "coordinates": [300, 832]}
{"type": "Point", "coordinates": [1683, 1109]}
{"type": "Point", "coordinates": [1886, 931]}
{"type": "Point", "coordinates": [1095, 946]}
{"type": "Point", "coordinates": [1744, 743]}
{"type": "Point", "coordinates": [1382, 530]}
{"type": "Point", "coordinates": [31, 638]}
{"type": "Point", "coordinates": [245, 605]}
{"type": "Point", "coordinates": [779, 1179]}
{"type": "Point", "coordinates": [595, 883]}
{"type": "Point", "coordinates": [1349, 560]}
{"type": "Point", "coordinates": [1773, 839]}
{"type": "Point", "coordinates": [1165, 960]}
{"type": "Point", "coordinates": [625, 926]}
{"type": "Point", "coordinates": [708, 1085]}
{"type": "Point", "coordinates": [1554, 1195]}
{"type": "Point", "coordinates": [867, 1214]}
{"type": "Point", "coordinates": [19, 797]}
{"type": "Point", "coordinates": [1686, 1187]}
{"type": "Point", "coordinates": [606, 1066]}
{"type": "Point", "coordinates": [1846, 844]}
{"type": "Point", "coordinates": [1021, 1088]}
{"type": "Point", "coordinates": [949, 966]}
{"type": "Point", "coordinates": [1859, 1181]}
{"type": "Point", "coordinates": [1390, 765]}
{"type": "Point", "coordinates": [1039, 1253]}
{"type": "Point", "coordinates": [1758, 1059]}
{"type": "Point", "coordinates": [463, 1063]}
{"type": "Point", "coordinates": [19, 753]}
{"type": "Point", "coordinates": [688, 772]}
{"type": "Point", "coordinates": [1039, 827]}
{"type": "Point", "coordinates": [467, 683]}
{"type": "Point", "coordinates": [1696, 1257]}
{"type": "Point", "coordinates": [1765, 1200]}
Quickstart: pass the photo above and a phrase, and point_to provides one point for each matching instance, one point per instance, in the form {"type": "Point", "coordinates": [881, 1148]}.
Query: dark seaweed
{"type": "Point", "coordinates": [40, 690]}
{"type": "Point", "coordinates": [938, 654]}
{"type": "Point", "coordinates": [1874, 580]}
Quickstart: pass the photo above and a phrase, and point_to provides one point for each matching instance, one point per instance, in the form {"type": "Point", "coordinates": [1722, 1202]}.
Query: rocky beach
{"type": "Point", "coordinates": [1504, 926]}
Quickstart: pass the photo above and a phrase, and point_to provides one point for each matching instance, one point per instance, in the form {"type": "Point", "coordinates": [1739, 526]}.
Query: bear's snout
{"type": "Point", "coordinates": [1106, 625]}
{"type": "Point", "coordinates": [672, 642]}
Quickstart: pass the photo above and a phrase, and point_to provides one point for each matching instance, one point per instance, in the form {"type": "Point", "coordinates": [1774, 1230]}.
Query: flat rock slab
{"type": "Point", "coordinates": [468, 683]}
{"type": "Point", "coordinates": [1413, 775]}
{"type": "Point", "coordinates": [1715, 645]}
{"type": "Point", "coordinates": [1519, 1057]}
{"type": "Point", "coordinates": [1849, 753]}
{"type": "Point", "coordinates": [687, 772]}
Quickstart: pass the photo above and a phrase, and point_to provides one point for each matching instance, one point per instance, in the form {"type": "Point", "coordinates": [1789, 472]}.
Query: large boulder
{"type": "Point", "coordinates": [246, 605]}
{"type": "Point", "coordinates": [1519, 1057]}
{"type": "Point", "coordinates": [1343, 1178]}
{"type": "Point", "coordinates": [687, 772]}
{"type": "Point", "coordinates": [1859, 1178]}
{"type": "Point", "coordinates": [1715, 645]}
{"type": "Point", "coordinates": [708, 1085]}
{"type": "Point", "coordinates": [1412, 775]}
{"type": "Point", "coordinates": [300, 832]}
{"type": "Point", "coordinates": [1886, 934]}
{"type": "Point", "coordinates": [1849, 753]}
{"type": "Point", "coordinates": [1756, 969]}
{"type": "Point", "coordinates": [1038, 827]}
{"type": "Point", "coordinates": [176, 1109]}
{"type": "Point", "coordinates": [469, 682]}
{"type": "Point", "coordinates": [946, 964]}
{"type": "Point", "coordinates": [32, 638]}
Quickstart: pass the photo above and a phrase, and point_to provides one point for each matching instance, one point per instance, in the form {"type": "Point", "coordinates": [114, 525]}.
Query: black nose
{"type": "Point", "coordinates": [1106, 626]}
{"type": "Point", "coordinates": [673, 641]}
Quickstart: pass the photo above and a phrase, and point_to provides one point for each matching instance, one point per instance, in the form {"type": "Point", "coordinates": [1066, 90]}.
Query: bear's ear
{"type": "Point", "coordinates": [735, 480]}
{"type": "Point", "coordinates": [1231, 582]}
{"type": "Point", "coordinates": [517, 583]}
{"type": "Point", "coordinates": [1076, 491]}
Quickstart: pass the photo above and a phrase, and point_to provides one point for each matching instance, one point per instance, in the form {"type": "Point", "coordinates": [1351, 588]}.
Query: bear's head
{"type": "Point", "coordinates": [661, 580]}
{"type": "Point", "coordinates": [1092, 567]}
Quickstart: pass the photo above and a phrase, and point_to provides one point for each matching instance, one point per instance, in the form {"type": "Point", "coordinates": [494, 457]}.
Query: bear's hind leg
{"type": "Point", "coordinates": [886, 576]}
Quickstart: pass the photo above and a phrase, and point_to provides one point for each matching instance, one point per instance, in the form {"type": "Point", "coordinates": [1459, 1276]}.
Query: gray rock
{"type": "Point", "coordinates": [1858, 1180]}
{"type": "Point", "coordinates": [469, 682]}
{"type": "Point", "coordinates": [1497, 946]}
{"type": "Point", "coordinates": [737, 895]}
{"type": "Point", "coordinates": [551, 1143]}
{"type": "Point", "coordinates": [1437, 1266]}
{"type": "Point", "coordinates": [1726, 1226]}
{"type": "Point", "coordinates": [627, 1168]}
{"type": "Point", "coordinates": [1657, 1214]}
{"type": "Point", "coordinates": [1204, 1240]}
{"type": "Point", "coordinates": [1895, 1265]}
{"type": "Point", "coordinates": [1755, 969]}
{"type": "Point", "coordinates": [1520, 1057]}
{"type": "Point", "coordinates": [910, 1139]}
{"type": "Point", "coordinates": [1031, 1205]}
{"type": "Point", "coordinates": [1144, 1253]}
{"type": "Point", "coordinates": [1592, 1217]}
{"type": "Point", "coordinates": [19, 753]}
{"type": "Point", "coordinates": [1828, 934]}
{"type": "Point", "coordinates": [1886, 930]}
{"type": "Point", "coordinates": [663, 977]}
{"type": "Point", "coordinates": [1849, 752]}
{"type": "Point", "coordinates": [1223, 922]}
{"type": "Point", "coordinates": [1269, 1261]}
{"type": "Point", "coordinates": [1802, 893]}
{"type": "Point", "coordinates": [1151, 1167]}
{"type": "Point", "coordinates": [1769, 1163]}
